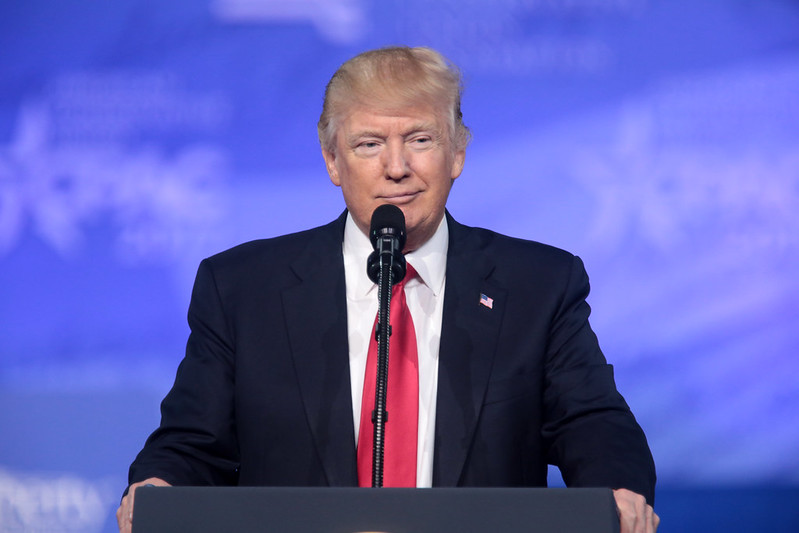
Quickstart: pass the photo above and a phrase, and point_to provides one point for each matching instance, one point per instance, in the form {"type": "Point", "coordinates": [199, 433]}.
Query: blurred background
{"type": "Point", "coordinates": [657, 139]}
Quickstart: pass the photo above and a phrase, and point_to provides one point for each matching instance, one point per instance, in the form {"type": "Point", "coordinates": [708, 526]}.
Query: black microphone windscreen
{"type": "Point", "coordinates": [387, 219]}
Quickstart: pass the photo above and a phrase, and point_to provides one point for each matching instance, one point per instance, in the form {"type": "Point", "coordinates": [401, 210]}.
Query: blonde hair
{"type": "Point", "coordinates": [394, 77]}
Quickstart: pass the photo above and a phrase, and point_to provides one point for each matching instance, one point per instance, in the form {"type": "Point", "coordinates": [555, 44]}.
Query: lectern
{"type": "Point", "coordinates": [356, 510]}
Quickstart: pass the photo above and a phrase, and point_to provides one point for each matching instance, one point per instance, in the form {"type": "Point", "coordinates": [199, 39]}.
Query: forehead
{"type": "Point", "coordinates": [365, 117]}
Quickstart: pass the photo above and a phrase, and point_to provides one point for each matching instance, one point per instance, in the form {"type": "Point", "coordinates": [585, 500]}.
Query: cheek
{"type": "Point", "coordinates": [364, 178]}
{"type": "Point", "coordinates": [352, 185]}
{"type": "Point", "coordinates": [357, 193]}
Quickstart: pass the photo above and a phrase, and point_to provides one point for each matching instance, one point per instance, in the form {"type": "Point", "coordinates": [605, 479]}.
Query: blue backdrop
{"type": "Point", "coordinates": [658, 140]}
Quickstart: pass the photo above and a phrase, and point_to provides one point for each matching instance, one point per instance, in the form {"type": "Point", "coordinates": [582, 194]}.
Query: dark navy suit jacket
{"type": "Point", "coordinates": [263, 395]}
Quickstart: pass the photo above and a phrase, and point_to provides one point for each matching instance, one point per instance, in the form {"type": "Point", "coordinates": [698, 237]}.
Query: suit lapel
{"type": "Point", "coordinates": [316, 321]}
{"type": "Point", "coordinates": [468, 341]}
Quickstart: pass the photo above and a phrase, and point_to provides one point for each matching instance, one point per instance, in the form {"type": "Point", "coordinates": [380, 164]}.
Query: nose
{"type": "Point", "coordinates": [396, 161]}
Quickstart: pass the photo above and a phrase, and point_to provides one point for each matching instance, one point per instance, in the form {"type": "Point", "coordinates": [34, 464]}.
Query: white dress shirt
{"type": "Point", "coordinates": [425, 297]}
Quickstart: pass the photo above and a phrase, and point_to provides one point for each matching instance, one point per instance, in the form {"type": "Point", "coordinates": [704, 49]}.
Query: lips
{"type": "Point", "coordinates": [399, 198]}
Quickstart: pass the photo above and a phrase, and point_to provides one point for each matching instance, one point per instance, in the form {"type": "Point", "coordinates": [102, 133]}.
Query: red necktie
{"type": "Point", "coordinates": [402, 399]}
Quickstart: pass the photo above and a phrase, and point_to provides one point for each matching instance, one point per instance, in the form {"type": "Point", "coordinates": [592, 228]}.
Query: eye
{"type": "Point", "coordinates": [421, 141]}
{"type": "Point", "coordinates": [367, 147]}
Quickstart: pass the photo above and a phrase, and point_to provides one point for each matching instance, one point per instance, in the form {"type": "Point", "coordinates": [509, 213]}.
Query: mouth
{"type": "Point", "coordinates": [399, 198]}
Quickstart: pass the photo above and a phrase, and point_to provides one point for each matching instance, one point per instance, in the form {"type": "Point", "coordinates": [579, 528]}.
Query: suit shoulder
{"type": "Point", "coordinates": [519, 263]}
{"type": "Point", "coordinates": [500, 245]}
{"type": "Point", "coordinates": [265, 253]}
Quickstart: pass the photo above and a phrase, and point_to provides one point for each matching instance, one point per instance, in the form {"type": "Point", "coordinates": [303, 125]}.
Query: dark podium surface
{"type": "Point", "coordinates": [351, 510]}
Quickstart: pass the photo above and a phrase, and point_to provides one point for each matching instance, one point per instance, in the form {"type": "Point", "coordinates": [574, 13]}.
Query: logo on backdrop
{"type": "Point", "coordinates": [339, 21]}
{"type": "Point", "coordinates": [65, 503]}
{"type": "Point", "coordinates": [74, 170]}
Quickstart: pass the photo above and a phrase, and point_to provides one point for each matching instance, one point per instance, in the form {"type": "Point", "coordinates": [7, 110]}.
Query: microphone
{"type": "Point", "coordinates": [387, 233]}
{"type": "Point", "coordinates": [385, 266]}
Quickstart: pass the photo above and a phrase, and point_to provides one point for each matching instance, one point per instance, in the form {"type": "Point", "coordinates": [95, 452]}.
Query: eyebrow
{"type": "Point", "coordinates": [351, 139]}
{"type": "Point", "coordinates": [423, 126]}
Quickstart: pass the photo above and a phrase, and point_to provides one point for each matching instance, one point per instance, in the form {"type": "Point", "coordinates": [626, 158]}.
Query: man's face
{"type": "Point", "coordinates": [404, 157]}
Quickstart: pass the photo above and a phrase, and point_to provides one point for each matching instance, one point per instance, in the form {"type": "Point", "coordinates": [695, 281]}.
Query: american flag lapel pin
{"type": "Point", "coordinates": [486, 301]}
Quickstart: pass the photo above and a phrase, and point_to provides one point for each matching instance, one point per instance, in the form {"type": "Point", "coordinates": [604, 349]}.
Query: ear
{"type": "Point", "coordinates": [457, 164]}
{"type": "Point", "coordinates": [330, 164]}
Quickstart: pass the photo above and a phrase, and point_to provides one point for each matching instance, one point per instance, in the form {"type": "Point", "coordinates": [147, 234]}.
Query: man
{"type": "Point", "coordinates": [510, 375]}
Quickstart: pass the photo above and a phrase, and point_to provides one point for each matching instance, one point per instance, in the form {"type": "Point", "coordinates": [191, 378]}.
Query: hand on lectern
{"type": "Point", "coordinates": [635, 515]}
{"type": "Point", "coordinates": [125, 511]}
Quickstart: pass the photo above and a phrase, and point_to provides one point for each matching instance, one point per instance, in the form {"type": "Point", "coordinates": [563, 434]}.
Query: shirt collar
{"type": "Point", "coordinates": [429, 260]}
